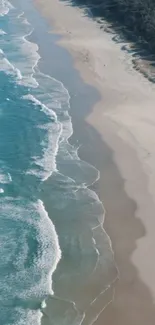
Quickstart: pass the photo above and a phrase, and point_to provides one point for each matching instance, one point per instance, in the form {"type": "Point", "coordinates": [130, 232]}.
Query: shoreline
{"type": "Point", "coordinates": [131, 211]}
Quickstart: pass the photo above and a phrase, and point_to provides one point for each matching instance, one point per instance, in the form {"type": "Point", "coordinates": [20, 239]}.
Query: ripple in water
{"type": "Point", "coordinates": [57, 251]}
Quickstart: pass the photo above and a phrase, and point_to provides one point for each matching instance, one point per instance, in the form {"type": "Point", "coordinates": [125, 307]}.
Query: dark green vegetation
{"type": "Point", "coordinates": [136, 16]}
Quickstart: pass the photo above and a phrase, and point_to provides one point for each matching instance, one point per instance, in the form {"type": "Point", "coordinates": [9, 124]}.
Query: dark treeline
{"type": "Point", "coordinates": [137, 16]}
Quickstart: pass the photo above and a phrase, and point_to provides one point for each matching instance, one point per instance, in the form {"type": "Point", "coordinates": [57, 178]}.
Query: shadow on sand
{"type": "Point", "coordinates": [133, 41]}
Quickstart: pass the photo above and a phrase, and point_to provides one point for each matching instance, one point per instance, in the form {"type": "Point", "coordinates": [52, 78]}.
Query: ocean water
{"type": "Point", "coordinates": [51, 224]}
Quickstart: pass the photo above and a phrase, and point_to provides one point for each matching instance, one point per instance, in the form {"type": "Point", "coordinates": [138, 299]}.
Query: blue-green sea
{"type": "Point", "coordinates": [61, 251]}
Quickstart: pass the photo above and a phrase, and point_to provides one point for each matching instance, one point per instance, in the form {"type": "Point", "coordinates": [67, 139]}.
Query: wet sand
{"type": "Point", "coordinates": [123, 120]}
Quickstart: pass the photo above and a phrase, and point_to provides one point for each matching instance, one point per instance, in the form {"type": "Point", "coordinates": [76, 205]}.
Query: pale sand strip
{"type": "Point", "coordinates": [125, 119]}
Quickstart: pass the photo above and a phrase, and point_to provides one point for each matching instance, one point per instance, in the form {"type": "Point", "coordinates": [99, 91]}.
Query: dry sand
{"type": "Point", "coordinates": [125, 119]}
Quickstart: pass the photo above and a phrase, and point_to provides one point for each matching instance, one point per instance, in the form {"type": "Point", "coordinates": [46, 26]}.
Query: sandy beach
{"type": "Point", "coordinates": [124, 120]}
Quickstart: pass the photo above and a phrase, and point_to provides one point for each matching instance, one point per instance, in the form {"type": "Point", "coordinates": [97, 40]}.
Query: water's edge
{"type": "Point", "coordinates": [120, 209]}
{"type": "Point", "coordinates": [68, 173]}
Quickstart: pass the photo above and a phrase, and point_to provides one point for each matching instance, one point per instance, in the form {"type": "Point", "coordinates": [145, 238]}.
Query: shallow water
{"type": "Point", "coordinates": [39, 172]}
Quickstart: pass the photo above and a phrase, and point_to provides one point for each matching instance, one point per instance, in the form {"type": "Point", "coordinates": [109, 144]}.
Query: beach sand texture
{"type": "Point", "coordinates": [125, 120]}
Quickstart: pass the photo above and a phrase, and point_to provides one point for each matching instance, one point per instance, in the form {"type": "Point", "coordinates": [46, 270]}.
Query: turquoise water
{"type": "Point", "coordinates": [39, 169]}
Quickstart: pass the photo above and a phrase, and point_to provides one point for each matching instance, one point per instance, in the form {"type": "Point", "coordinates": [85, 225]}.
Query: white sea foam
{"type": "Point", "coordinates": [29, 282]}
{"type": "Point", "coordinates": [49, 251]}
{"type": "Point", "coordinates": [2, 32]}
{"type": "Point", "coordinates": [5, 178]}
{"type": "Point", "coordinates": [50, 144]}
{"type": "Point", "coordinates": [29, 317]}
{"type": "Point", "coordinates": [37, 279]}
{"type": "Point", "coordinates": [50, 243]}
{"type": "Point", "coordinates": [59, 95]}
{"type": "Point", "coordinates": [27, 61]}
{"type": "Point", "coordinates": [20, 15]}
{"type": "Point", "coordinates": [29, 55]}
{"type": "Point", "coordinates": [22, 79]}
{"type": "Point", "coordinates": [25, 21]}
{"type": "Point", "coordinates": [43, 304]}
{"type": "Point", "coordinates": [43, 107]}
{"type": "Point", "coordinates": [95, 202]}
{"type": "Point", "coordinates": [1, 190]}
{"type": "Point", "coordinates": [49, 254]}
{"type": "Point", "coordinates": [8, 68]}
{"type": "Point", "coordinates": [59, 101]}
{"type": "Point", "coordinates": [30, 50]}
{"type": "Point", "coordinates": [5, 6]}
{"type": "Point", "coordinates": [48, 161]}
{"type": "Point", "coordinates": [23, 70]}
